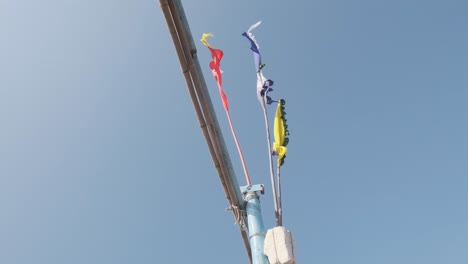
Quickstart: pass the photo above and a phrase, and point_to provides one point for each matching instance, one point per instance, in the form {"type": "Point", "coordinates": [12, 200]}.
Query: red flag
{"type": "Point", "coordinates": [215, 64]}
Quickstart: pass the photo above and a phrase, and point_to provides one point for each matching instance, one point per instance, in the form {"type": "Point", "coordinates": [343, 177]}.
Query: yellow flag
{"type": "Point", "coordinates": [279, 133]}
{"type": "Point", "coordinates": [204, 41]}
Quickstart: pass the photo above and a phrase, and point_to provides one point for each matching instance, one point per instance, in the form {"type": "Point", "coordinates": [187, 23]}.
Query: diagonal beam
{"type": "Point", "coordinates": [187, 53]}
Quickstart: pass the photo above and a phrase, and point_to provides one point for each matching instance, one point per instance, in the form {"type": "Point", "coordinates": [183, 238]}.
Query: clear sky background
{"type": "Point", "coordinates": [102, 160]}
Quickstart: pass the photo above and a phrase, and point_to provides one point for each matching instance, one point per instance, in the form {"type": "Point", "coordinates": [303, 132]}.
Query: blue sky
{"type": "Point", "coordinates": [102, 159]}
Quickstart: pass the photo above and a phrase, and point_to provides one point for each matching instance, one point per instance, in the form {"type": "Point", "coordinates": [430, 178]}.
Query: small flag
{"type": "Point", "coordinates": [263, 84]}
{"type": "Point", "coordinates": [215, 66]}
{"type": "Point", "coordinates": [281, 133]}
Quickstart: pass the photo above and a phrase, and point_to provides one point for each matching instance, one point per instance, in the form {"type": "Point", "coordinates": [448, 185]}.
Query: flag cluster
{"type": "Point", "coordinates": [264, 87]}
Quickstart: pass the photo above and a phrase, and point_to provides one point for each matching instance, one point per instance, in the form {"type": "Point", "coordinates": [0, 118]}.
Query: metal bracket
{"type": "Point", "coordinates": [253, 188]}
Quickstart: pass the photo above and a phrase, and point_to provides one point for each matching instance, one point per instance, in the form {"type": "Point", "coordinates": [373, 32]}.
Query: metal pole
{"type": "Point", "coordinates": [187, 52]}
{"type": "Point", "coordinates": [177, 22]}
{"type": "Point", "coordinates": [270, 157]}
{"type": "Point", "coordinates": [256, 229]}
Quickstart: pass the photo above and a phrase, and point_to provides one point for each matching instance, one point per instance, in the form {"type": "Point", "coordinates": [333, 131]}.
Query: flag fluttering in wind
{"type": "Point", "coordinates": [215, 66]}
{"type": "Point", "coordinates": [263, 84]}
{"type": "Point", "coordinates": [281, 133]}
{"type": "Point", "coordinates": [254, 46]}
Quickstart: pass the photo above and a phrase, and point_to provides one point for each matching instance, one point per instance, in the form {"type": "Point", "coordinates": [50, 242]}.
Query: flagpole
{"type": "Point", "coordinates": [270, 158]}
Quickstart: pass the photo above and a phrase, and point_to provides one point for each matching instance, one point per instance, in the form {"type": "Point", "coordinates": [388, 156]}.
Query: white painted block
{"type": "Point", "coordinates": [279, 246]}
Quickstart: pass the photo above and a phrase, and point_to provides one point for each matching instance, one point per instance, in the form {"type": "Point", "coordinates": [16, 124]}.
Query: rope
{"type": "Point", "coordinates": [239, 149]}
{"type": "Point", "coordinates": [239, 215]}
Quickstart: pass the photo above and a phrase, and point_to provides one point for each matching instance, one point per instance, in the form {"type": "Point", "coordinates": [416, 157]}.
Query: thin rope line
{"type": "Point", "coordinates": [239, 149]}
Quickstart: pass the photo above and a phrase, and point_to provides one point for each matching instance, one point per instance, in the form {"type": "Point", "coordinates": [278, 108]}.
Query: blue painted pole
{"type": "Point", "coordinates": [256, 229]}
